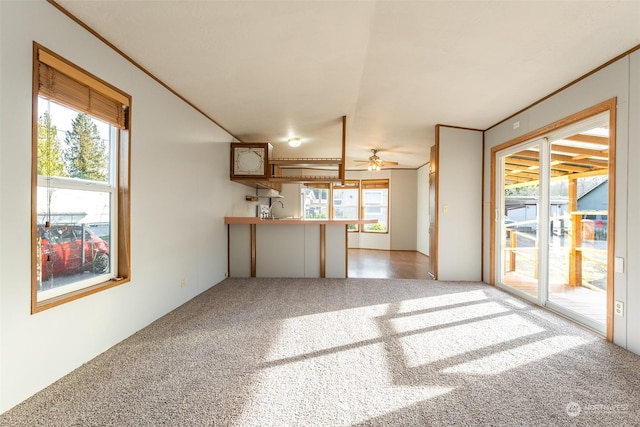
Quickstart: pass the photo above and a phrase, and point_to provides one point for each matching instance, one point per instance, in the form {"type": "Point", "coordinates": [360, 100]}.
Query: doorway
{"type": "Point", "coordinates": [553, 232]}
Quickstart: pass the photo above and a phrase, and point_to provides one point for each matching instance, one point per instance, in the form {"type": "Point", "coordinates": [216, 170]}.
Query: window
{"type": "Point", "coordinates": [375, 204]}
{"type": "Point", "coordinates": [345, 202]}
{"type": "Point", "coordinates": [80, 170]}
{"type": "Point", "coordinates": [315, 201]}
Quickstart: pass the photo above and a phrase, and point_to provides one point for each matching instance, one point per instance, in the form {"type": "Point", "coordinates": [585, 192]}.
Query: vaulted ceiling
{"type": "Point", "coordinates": [272, 70]}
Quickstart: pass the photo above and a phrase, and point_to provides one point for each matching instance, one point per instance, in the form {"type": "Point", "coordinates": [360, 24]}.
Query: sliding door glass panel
{"type": "Point", "coordinates": [519, 219]}
{"type": "Point", "coordinates": [578, 219]}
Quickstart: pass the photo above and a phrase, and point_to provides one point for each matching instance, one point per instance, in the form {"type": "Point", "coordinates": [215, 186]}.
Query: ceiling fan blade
{"type": "Point", "coordinates": [384, 163]}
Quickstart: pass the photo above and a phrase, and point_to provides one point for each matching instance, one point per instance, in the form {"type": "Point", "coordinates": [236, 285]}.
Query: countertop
{"type": "Point", "coordinates": [294, 221]}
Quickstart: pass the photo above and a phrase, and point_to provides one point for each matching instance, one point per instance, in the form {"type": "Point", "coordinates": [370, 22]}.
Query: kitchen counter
{"type": "Point", "coordinates": [294, 221]}
{"type": "Point", "coordinates": [297, 248]}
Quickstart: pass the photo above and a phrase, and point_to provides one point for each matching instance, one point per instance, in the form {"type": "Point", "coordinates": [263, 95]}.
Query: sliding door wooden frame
{"type": "Point", "coordinates": [606, 106]}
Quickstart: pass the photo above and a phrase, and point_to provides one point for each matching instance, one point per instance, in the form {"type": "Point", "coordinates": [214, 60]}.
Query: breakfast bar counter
{"type": "Point", "coordinates": [288, 247]}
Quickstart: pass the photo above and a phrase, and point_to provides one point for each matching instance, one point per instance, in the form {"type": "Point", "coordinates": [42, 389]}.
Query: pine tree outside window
{"type": "Point", "coordinates": [80, 219]}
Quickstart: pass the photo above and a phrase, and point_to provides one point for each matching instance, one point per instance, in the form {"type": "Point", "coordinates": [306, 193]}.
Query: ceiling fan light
{"type": "Point", "coordinates": [294, 142]}
{"type": "Point", "coordinates": [370, 167]}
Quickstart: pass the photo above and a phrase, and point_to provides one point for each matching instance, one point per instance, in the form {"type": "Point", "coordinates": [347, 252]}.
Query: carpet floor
{"type": "Point", "coordinates": [348, 352]}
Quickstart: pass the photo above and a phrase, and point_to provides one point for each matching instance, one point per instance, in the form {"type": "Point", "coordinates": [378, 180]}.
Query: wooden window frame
{"type": "Point", "coordinates": [368, 184]}
{"type": "Point", "coordinates": [103, 101]}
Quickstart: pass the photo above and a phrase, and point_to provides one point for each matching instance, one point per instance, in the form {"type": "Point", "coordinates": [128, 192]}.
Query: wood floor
{"type": "Point", "coordinates": [379, 264]}
{"type": "Point", "coordinates": [590, 303]}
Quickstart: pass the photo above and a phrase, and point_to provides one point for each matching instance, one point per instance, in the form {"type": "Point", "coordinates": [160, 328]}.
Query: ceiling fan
{"type": "Point", "coordinates": [375, 162]}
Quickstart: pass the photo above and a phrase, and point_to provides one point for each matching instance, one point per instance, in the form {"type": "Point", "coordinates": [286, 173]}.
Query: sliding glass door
{"type": "Point", "coordinates": [518, 218]}
{"type": "Point", "coordinates": [552, 216]}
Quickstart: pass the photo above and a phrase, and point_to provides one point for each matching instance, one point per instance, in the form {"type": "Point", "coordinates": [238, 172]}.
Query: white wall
{"type": "Point", "coordinates": [422, 213]}
{"type": "Point", "coordinates": [460, 204]}
{"type": "Point", "coordinates": [291, 200]}
{"type": "Point", "coordinates": [633, 225]}
{"type": "Point", "coordinates": [622, 80]}
{"type": "Point", "coordinates": [402, 212]}
{"type": "Point", "coordinates": [180, 192]}
{"type": "Point", "coordinates": [403, 217]}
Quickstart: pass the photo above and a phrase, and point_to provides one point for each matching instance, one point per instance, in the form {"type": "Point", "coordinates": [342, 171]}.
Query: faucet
{"type": "Point", "coordinates": [270, 215]}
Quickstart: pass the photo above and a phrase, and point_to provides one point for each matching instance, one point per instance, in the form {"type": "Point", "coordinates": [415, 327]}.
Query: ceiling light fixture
{"type": "Point", "coordinates": [374, 162]}
{"type": "Point", "coordinates": [294, 142]}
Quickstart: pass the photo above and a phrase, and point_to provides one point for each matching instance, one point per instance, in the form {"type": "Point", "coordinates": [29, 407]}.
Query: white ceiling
{"type": "Point", "coordinates": [269, 70]}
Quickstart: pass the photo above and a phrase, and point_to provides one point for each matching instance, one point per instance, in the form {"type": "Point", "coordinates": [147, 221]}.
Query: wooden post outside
{"type": "Point", "coordinates": [513, 242]}
{"type": "Point", "coordinates": [575, 256]}
{"type": "Point", "coordinates": [575, 260]}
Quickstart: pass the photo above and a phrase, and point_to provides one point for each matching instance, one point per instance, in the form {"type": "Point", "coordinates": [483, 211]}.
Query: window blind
{"type": "Point", "coordinates": [66, 84]}
{"type": "Point", "coordinates": [378, 183]}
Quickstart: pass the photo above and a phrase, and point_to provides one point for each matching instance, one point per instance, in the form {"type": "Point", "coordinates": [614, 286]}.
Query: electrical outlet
{"type": "Point", "coordinates": [619, 308]}
{"type": "Point", "coordinates": [183, 282]}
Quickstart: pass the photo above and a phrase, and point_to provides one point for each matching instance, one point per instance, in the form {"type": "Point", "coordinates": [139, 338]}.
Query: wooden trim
{"type": "Point", "coordinates": [72, 296]}
{"type": "Point", "coordinates": [341, 173]}
{"type": "Point", "coordinates": [438, 126]}
{"type": "Point", "coordinates": [323, 250]}
{"type": "Point", "coordinates": [595, 70]}
{"type": "Point", "coordinates": [138, 66]}
{"type": "Point", "coordinates": [611, 232]}
{"type": "Point", "coordinates": [252, 244]}
{"type": "Point", "coordinates": [346, 251]}
{"type": "Point", "coordinates": [569, 120]}
{"type": "Point", "coordinates": [482, 213]}
{"type": "Point", "coordinates": [437, 200]}
{"type": "Point", "coordinates": [492, 221]}
{"type": "Point", "coordinates": [228, 250]}
{"type": "Point", "coordinates": [34, 185]}
{"type": "Point", "coordinates": [124, 204]}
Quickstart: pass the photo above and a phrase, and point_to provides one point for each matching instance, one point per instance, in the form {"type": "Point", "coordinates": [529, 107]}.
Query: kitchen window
{"type": "Point", "coordinates": [346, 202]}
{"type": "Point", "coordinates": [315, 201]}
{"type": "Point", "coordinates": [80, 183]}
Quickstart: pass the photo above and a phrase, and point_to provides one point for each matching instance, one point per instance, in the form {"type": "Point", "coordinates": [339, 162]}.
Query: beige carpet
{"type": "Point", "coordinates": [306, 352]}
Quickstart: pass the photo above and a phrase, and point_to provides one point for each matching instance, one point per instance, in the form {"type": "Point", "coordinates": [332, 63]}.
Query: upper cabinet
{"type": "Point", "coordinates": [253, 164]}
{"type": "Point", "coordinates": [250, 160]}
